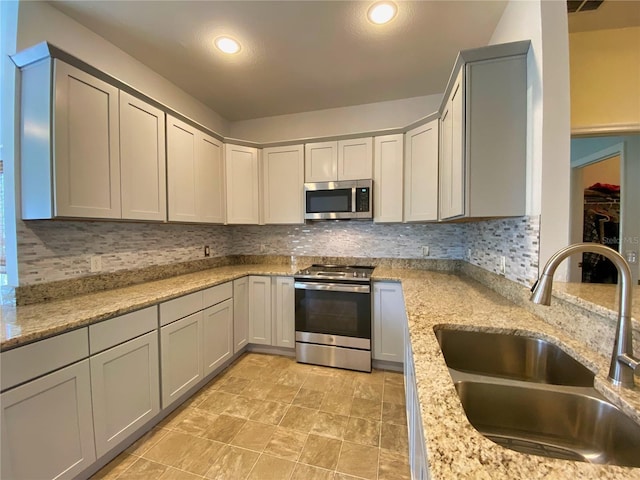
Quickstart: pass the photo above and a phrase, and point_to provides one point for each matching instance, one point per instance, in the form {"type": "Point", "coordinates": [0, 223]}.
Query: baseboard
{"type": "Point", "coordinates": [387, 365]}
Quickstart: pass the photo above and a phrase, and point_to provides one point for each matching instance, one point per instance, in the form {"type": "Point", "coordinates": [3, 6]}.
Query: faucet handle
{"type": "Point", "coordinates": [631, 362]}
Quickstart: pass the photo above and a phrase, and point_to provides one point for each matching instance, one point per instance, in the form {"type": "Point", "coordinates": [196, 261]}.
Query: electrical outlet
{"type": "Point", "coordinates": [468, 253]}
{"type": "Point", "coordinates": [96, 263]}
{"type": "Point", "coordinates": [503, 265]}
{"type": "Point", "coordinates": [263, 248]}
{"type": "Point", "coordinates": [425, 250]}
{"type": "Point", "coordinates": [207, 252]}
{"type": "Point", "coordinates": [632, 257]}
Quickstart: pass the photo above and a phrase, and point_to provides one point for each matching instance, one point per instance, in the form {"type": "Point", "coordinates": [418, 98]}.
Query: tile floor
{"type": "Point", "coordinates": [268, 417]}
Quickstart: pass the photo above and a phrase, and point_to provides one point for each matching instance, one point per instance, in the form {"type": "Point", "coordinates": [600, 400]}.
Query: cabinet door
{"type": "Point", "coordinates": [421, 173]}
{"type": "Point", "coordinates": [388, 179]}
{"type": "Point", "coordinates": [242, 180]}
{"type": "Point", "coordinates": [283, 184]}
{"type": "Point", "coordinates": [452, 154]}
{"type": "Point", "coordinates": [240, 313]}
{"type": "Point", "coordinates": [143, 176]}
{"type": "Point", "coordinates": [321, 162]}
{"type": "Point", "coordinates": [285, 322]}
{"type": "Point", "coordinates": [47, 428]}
{"type": "Point", "coordinates": [87, 156]}
{"type": "Point", "coordinates": [217, 335]}
{"type": "Point", "coordinates": [181, 357]}
{"type": "Point", "coordinates": [355, 159]}
{"type": "Point", "coordinates": [389, 321]}
{"type": "Point", "coordinates": [181, 171]}
{"type": "Point", "coordinates": [125, 389]}
{"type": "Point", "coordinates": [260, 310]}
{"type": "Point", "coordinates": [210, 196]}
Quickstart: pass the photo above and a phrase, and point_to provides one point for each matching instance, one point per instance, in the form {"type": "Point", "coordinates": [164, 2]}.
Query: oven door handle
{"type": "Point", "coordinates": [333, 287]}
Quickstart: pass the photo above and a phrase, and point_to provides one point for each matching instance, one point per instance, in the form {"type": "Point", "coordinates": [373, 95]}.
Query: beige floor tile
{"type": "Point", "coordinates": [315, 381]}
{"type": "Point", "coordinates": [251, 358]}
{"type": "Point", "coordinates": [299, 418]}
{"type": "Point", "coordinates": [394, 394]}
{"type": "Point", "coordinates": [368, 391]}
{"type": "Point", "coordinates": [344, 476]}
{"type": "Point", "coordinates": [242, 407]}
{"type": "Point", "coordinates": [115, 467]}
{"type": "Point", "coordinates": [394, 413]}
{"type": "Point", "coordinates": [344, 385]}
{"type": "Point", "coordinates": [321, 452]}
{"type": "Point", "coordinates": [271, 468]}
{"type": "Point", "coordinates": [218, 402]}
{"type": "Point", "coordinates": [336, 403]}
{"type": "Point", "coordinates": [364, 432]}
{"type": "Point", "coordinates": [307, 472]}
{"type": "Point", "coordinates": [185, 452]}
{"type": "Point", "coordinates": [280, 362]}
{"type": "Point", "coordinates": [253, 436]}
{"type": "Point", "coordinates": [174, 417]}
{"type": "Point", "coordinates": [196, 422]}
{"type": "Point", "coordinates": [233, 463]}
{"type": "Point", "coordinates": [330, 425]}
{"type": "Point", "coordinates": [249, 372]}
{"type": "Point", "coordinates": [369, 409]}
{"type": "Point", "coordinates": [224, 428]}
{"type": "Point", "coordinates": [394, 438]}
{"type": "Point", "coordinates": [257, 389]}
{"type": "Point", "coordinates": [308, 398]}
{"type": "Point", "coordinates": [394, 378]}
{"type": "Point", "coordinates": [175, 474]}
{"type": "Point", "coordinates": [286, 443]}
{"type": "Point", "coordinates": [282, 393]}
{"type": "Point", "coordinates": [376, 376]}
{"type": "Point", "coordinates": [144, 469]}
{"type": "Point", "coordinates": [234, 385]}
{"type": "Point", "coordinates": [393, 466]}
{"type": "Point", "coordinates": [147, 441]}
{"type": "Point", "coordinates": [269, 412]}
{"type": "Point", "coordinates": [360, 460]}
{"type": "Point", "coordinates": [292, 378]}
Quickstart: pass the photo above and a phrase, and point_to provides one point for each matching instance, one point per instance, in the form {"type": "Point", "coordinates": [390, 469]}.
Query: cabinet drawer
{"type": "Point", "coordinates": [117, 330]}
{"type": "Point", "coordinates": [180, 307]}
{"type": "Point", "coordinates": [217, 294]}
{"type": "Point", "coordinates": [31, 361]}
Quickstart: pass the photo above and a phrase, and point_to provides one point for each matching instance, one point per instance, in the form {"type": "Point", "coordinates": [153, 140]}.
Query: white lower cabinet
{"type": "Point", "coordinates": [240, 313]}
{"type": "Point", "coordinates": [125, 389]}
{"type": "Point", "coordinates": [181, 357]}
{"type": "Point", "coordinates": [260, 310]}
{"type": "Point", "coordinates": [217, 335]}
{"type": "Point", "coordinates": [389, 322]}
{"type": "Point", "coordinates": [284, 312]}
{"type": "Point", "coordinates": [47, 428]}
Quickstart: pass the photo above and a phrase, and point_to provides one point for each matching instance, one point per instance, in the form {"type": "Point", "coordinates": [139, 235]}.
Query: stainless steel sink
{"type": "Point", "coordinates": [559, 424]}
{"type": "Point", "coordinates": [511, 356]}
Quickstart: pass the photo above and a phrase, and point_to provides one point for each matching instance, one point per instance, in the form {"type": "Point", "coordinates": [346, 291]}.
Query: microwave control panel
{"type": "Point", "coordinates": [362, 199]}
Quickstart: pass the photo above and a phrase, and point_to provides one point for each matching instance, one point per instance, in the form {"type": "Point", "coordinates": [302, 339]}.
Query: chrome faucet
{"type": "Point", "coordinates": [623, 363]}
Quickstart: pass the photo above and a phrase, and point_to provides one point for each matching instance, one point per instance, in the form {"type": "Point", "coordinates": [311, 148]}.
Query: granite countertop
{"type": "Point", "coordinates": [599, 297]}
{"type": "Point", "coordinates": [454, 448]}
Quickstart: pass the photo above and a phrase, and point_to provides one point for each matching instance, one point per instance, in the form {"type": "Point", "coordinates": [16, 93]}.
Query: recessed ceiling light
{"type": "Point", "coordinates": [382, 12]}
{"type": "Point", "coordinates": [227, 45]}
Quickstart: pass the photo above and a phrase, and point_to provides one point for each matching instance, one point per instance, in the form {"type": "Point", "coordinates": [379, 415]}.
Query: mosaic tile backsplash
{"type": "Point", "coordinates": [61, 250]}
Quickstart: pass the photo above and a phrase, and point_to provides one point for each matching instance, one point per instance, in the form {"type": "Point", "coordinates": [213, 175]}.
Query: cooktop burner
{"type": "Point", "coordinates": [336, 272]}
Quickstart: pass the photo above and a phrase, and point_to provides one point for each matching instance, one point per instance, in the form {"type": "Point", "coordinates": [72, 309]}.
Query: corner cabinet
{"type": "Point", "coordinates": [195, 174]}
{"type": "Point", "coordinates": [242, 166]}
{"type": "Point", "coordinates": [421, 173]}
{"type": "Point", "coordinates": [283, 183]}
{"type": "Point", "coordinates": [484, 135]}
{"type": "Point", "coordinates": [388, 178]}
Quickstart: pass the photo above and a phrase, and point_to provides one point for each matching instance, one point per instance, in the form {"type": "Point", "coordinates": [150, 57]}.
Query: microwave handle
{"type": "Point", "coordinates": [332, 287]}
{"type": "Point", "coordinates": [353, 199]}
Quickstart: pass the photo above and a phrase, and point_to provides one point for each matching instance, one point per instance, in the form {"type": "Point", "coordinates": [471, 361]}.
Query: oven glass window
{"type": "Point", "coordinates": [333, 313]}
{"type": "Point", "coordinates": [327, 201]}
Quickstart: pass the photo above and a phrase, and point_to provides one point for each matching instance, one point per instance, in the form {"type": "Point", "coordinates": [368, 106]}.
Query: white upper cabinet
{"type": "Point", "coordinates": [321, 162]}
{"type": "Point", "coordinates": [195, 174]}
{"type": "Point", "coordinates": [388, 178]}
{"type": "Point", "coordinates": [341, 160]}
{"type": "Point", "coordinates": [242, 165]}
{"type": "Point", "coordinates": [142, 160]}
{"type": "Point", "coordinates": [283, 183]}
{"type": "Point", "coordinates": [355, 159]}
{"type": "Point", "coordinates": [421, 173]}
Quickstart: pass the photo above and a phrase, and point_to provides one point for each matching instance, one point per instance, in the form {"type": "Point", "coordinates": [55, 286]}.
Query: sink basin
{"type": "Point", "coordinates": [552, 423]}
{"type": "Point", "coordinates": [511, 356]}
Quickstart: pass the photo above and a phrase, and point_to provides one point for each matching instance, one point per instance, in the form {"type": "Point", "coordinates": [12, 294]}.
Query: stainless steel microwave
{"type": "Point", "coordinates": [339, 200]}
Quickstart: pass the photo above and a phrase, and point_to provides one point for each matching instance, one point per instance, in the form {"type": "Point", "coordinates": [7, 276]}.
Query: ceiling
{"type": "Point", "coordinates": [296, 55]}
{"type": "Point", "coordinates": [610, 14]}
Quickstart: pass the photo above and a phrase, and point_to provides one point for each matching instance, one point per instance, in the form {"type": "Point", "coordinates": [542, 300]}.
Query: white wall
{"type": "Point", "coordinates": [337, 121]}
{"type": "Point", "coordinates": [545, 24]}
{"type": "Point", "coordinates": [38, 21]}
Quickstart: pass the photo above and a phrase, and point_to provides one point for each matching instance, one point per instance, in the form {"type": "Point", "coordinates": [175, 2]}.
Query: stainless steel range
{"type": "Point", "coordinates": [333, 316]}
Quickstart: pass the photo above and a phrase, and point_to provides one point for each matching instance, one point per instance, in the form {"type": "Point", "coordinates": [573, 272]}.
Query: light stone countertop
{"type": "Point", "coordinates": [599, 297]}
{"type": "Point", "coordinates": [455, 450]}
